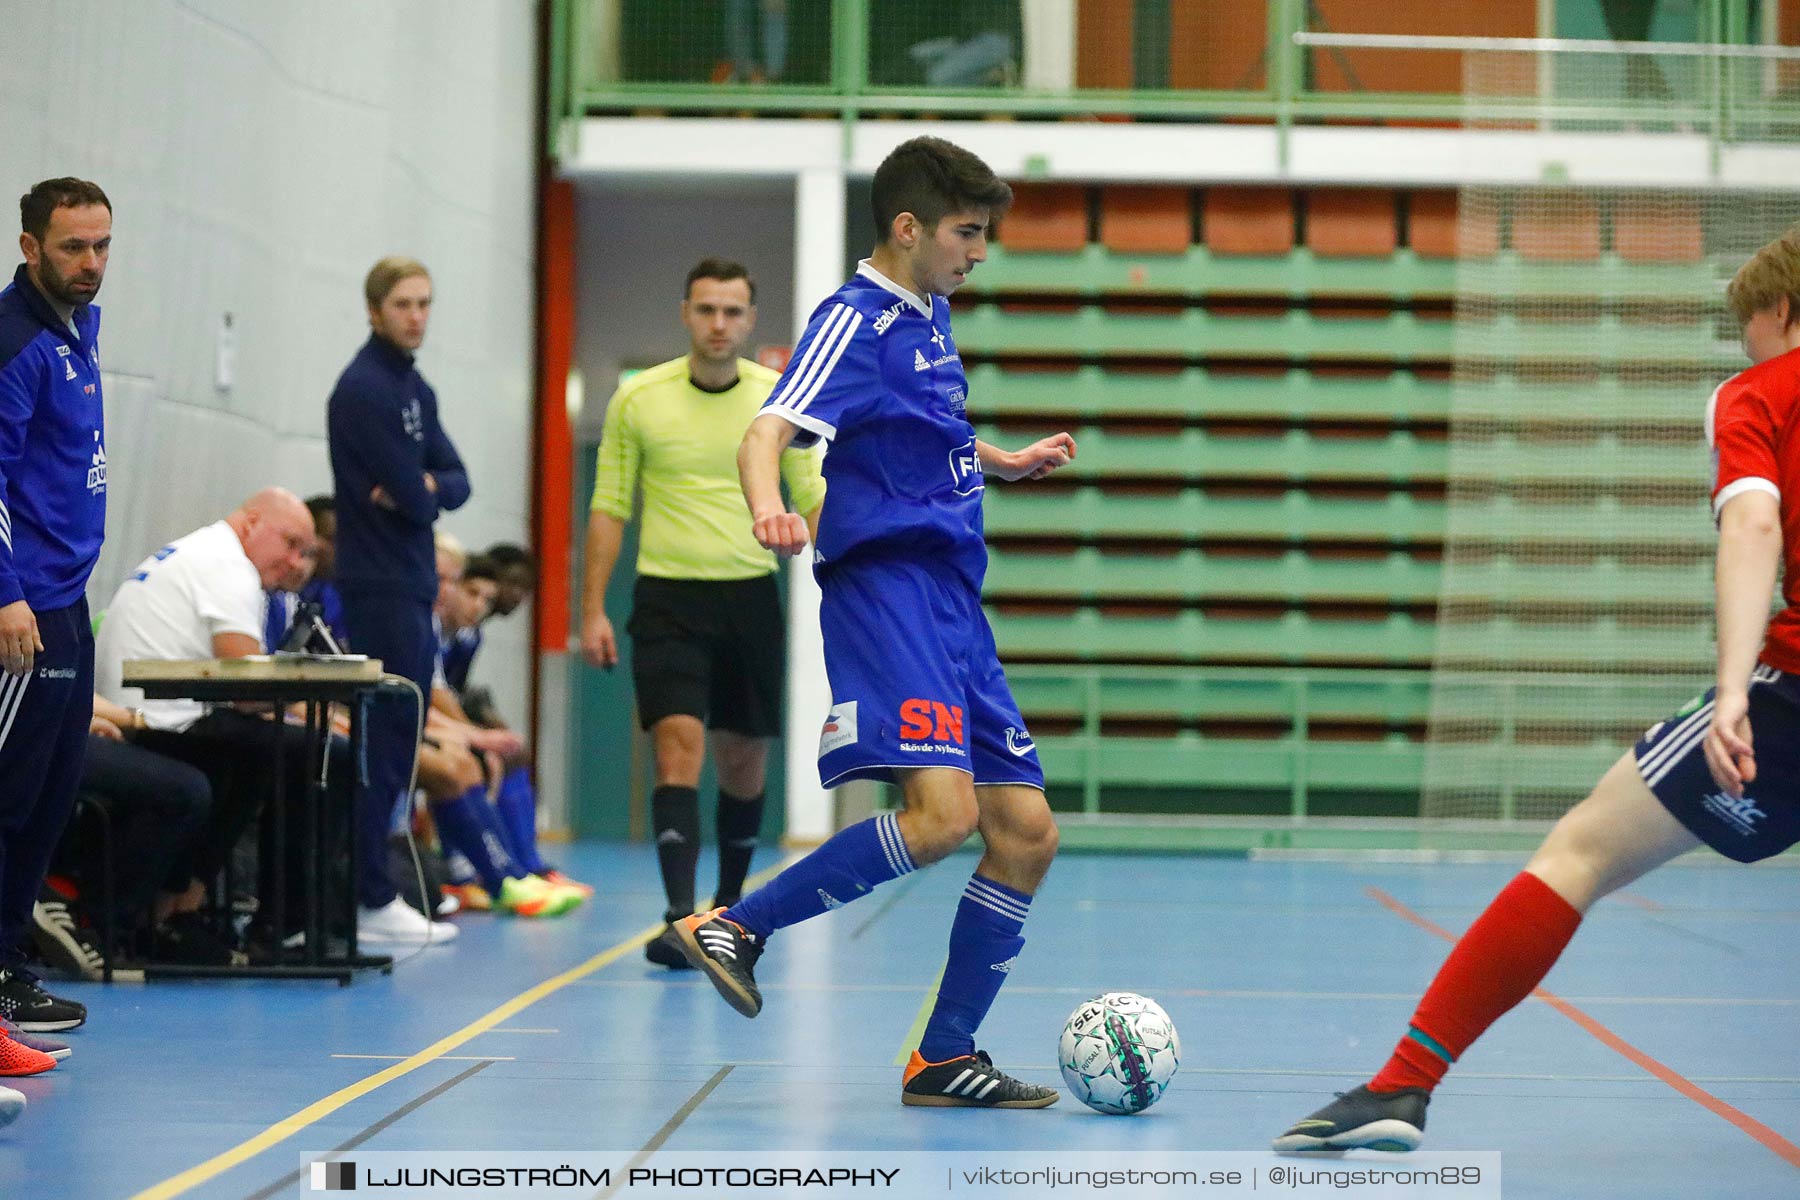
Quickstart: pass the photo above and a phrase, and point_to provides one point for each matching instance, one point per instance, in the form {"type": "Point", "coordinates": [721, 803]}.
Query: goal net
{"type": "Point", "coordinates": [1590, 329]}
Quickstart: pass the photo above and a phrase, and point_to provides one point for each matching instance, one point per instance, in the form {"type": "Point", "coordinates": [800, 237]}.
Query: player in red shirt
{"type": "Point", "coordinates": [1696, 777]}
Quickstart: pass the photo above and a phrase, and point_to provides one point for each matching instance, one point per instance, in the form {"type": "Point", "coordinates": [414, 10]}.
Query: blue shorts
{"type": "Point", "coordinates": [1767, 820]}
{"type": "Point", "coordinates": [915, 679]}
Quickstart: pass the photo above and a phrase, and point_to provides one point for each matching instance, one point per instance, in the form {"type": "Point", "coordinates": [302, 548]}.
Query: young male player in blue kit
{"type": "Point", "coordinates": [918, 696]}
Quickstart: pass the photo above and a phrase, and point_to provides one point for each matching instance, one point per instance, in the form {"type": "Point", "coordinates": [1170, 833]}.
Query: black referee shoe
{"type": "Point", "coordinates": [727, 952]}
{"type": "Point", "coordinates": [1362, 1120]}
{"type": "Point", "coordinates": [969, 1081]}
{"type": "Point", "coordinates": [665, 951]}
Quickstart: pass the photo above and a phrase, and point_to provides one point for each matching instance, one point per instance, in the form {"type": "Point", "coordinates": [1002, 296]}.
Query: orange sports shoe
{"type": "Point", "coordinates": [471, 897]}
{"type": "Point", "coordinates": [17, 1059]}
{"type": "Point", "coordinates": [561, 880]}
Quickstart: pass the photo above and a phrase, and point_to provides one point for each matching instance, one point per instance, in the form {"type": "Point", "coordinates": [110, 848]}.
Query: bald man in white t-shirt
{"type": "Point", "coordinates": [202, 596]}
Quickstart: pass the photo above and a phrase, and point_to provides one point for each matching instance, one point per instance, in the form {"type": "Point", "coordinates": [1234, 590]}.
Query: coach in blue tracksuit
{"type": "Point", "coordinates": [52, 519]}
{"type": "Point", "coordinates": [395, 470]}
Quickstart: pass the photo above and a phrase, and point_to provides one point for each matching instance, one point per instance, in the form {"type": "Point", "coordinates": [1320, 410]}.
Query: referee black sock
{"type": "Point", "coordinates": [675, 815]}
{"type": "Point", "coordinates": [739, 822]}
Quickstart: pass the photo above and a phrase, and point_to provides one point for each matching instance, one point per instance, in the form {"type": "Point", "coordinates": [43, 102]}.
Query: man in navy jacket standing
{"type": "Point", "coordinates": [52, 519]}
{"type": "Point", "coordinates": [395, 470]}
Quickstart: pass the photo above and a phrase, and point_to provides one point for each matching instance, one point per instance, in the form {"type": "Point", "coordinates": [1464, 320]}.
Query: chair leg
{"type": "Point", "coordinates": [108, 932]}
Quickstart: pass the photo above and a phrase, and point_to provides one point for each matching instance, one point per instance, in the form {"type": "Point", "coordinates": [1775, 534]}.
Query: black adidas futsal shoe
{"type": "Point", "coordinates": [727, 952]}
{"type": "Point", "coordinates": [1362, 1120]}
{"type": "Point", "coordinates": [970, 1081]}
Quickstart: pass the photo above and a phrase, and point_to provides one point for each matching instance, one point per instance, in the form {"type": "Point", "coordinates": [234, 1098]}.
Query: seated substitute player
{"type": "Point", "coordinates": [918, 695]}
{"type": "Point", "coordinates": [1692, 778]}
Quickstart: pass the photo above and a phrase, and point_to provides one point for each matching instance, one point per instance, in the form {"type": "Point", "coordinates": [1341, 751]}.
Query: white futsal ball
{"type": "Point", "coordinates": [1118, 1052]}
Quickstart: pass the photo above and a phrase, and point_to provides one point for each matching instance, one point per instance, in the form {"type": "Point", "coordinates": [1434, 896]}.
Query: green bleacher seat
{"type": "Point", "coordinates": [1505, 520]}
{"type": "Point", "coordinates": [1604, 341]}
{"type": "Point", "coordinates": [1604, 457]}
{"type": "Point", "coordinates": [1684, 579]}
{"type": "Point", "coordinates": [1295, 335]}
{"type": "Point", "coordinates": [1088, 635]}
{"type": "Point", "coordinates": [1091, 574]}
{"type": "Point", "coordinates": [1563, 701]}
{"type": "Point", "coordinates": [1093, 513]}
{"type": "Point", "coordinates": [1096, 271]}
{"type": "Point", "coordinates": [1298, 455]}
{"type": "Point", "coordinates": [1612, 278]}
{"type": "Point", "coordinates": [1223, 765]}
{"type": "Point", "coordinates": [1603, 399]}
{"type": "Point", "coordinates": [1095, 393]}
{"type": "Point", "coordinates": [1188, 695]}
{"type": "Point", "coordinates": [1589, 643]}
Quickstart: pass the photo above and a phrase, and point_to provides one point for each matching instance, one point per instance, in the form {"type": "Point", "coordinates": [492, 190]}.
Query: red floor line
{"type": "Point", "coordinates": [1693, 1091]}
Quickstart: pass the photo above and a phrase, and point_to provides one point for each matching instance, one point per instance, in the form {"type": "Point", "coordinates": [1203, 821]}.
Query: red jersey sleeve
{"type": "Point", "coordinates": [1740, 426]}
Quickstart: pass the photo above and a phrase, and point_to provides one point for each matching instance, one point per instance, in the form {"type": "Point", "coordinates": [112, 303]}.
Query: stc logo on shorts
{"type": "Point", "coordinates": [965, 470]}
{"type": "Point", "coordinates": [1739, 812]}
{"type": "Point", "coordinates": [928, 727]}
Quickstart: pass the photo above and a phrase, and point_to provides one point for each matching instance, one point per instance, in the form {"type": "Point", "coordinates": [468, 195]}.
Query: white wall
{"type": "Point", "coordinates": [638, 241]}
{"type": "Point", "coordinates": [260, 155]}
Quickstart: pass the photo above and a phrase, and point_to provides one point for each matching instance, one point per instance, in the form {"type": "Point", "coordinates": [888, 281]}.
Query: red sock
{"type": "Point", "coordinates": [1504, 956]}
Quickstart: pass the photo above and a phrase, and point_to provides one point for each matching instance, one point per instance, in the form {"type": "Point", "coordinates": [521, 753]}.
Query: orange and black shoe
{"type": "Point", "coordinates": [969, 1081]}
{"type": "Point", "coordinates": [727, 952]}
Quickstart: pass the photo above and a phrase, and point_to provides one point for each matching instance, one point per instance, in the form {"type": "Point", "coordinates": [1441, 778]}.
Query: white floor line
{"type": "Point", "coordinates": [1022, 989]}
{"type": "Point", "coordinates": [1354, 1072]}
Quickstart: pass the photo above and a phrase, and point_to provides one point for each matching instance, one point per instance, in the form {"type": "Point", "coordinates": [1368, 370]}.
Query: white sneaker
{"type": "Point", "coordinates": [11, 1105]}
{"type": "Point", "coordinates": [399, 923]}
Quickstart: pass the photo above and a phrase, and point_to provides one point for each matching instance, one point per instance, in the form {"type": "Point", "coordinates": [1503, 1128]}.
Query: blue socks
{"type": "Point", "coordinates": [517, 808]}
{"type": "Point", "coordinates": [464, 827]}
{"type": "Point", "coordinates": [985, 938]}
{"type": "Point", "coordinates": [851, 865]}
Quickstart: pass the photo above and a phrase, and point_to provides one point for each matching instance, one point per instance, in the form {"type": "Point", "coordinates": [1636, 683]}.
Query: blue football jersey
{"type": "Point", "coordinates": [877, 375]}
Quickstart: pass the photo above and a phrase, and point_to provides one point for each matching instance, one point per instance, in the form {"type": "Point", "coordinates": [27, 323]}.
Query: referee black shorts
{"type": "Point", "coordinates": [711, 649]}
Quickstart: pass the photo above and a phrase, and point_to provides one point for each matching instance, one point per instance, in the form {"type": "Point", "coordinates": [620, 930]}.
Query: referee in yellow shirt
{"type": "Point", "coordinates": [707, 634]}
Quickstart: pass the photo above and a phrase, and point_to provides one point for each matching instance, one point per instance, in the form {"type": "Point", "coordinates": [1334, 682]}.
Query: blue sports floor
{"type": "Point", "coordinates": [1667, 1063]}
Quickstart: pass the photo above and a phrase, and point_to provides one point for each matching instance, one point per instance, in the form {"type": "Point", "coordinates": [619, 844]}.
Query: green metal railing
{"type": "Point", "coordinates": [1732, 98]}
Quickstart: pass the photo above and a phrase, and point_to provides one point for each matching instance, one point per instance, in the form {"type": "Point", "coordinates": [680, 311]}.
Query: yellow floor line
{"type": "Point", "coordinates": [444, 1058]}
{"type": "Point", "coordinates": [279, 1132]}
{"type": "Point", "coordinates": [918, 1026]}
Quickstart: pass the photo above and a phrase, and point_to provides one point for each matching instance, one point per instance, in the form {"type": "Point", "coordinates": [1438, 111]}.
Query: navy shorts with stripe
{"type": "Point", "coordinates": [1766, 820]}
{"type": "Point", "coordinates": [915, 678]}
